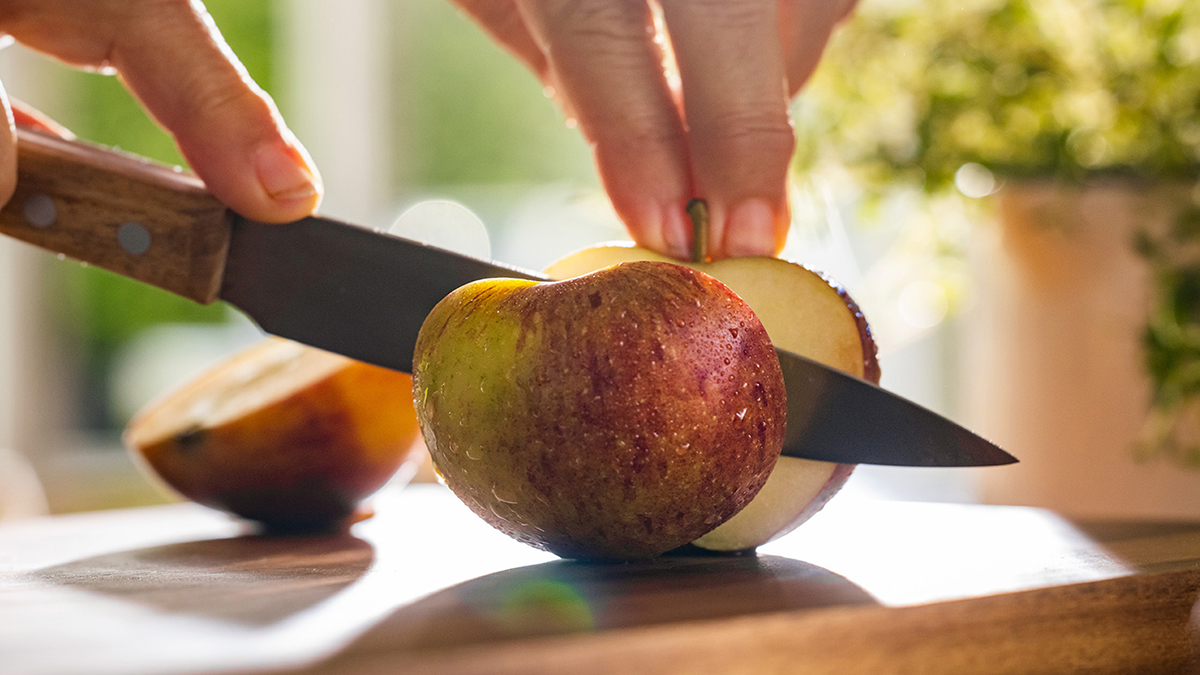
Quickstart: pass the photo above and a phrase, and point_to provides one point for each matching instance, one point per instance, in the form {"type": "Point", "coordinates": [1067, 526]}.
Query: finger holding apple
{"type": "Point", "coordinates": [803, 312]}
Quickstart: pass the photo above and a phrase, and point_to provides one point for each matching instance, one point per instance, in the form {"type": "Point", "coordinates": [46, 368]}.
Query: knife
{"type": "Point", "coordinates": [364, 294]}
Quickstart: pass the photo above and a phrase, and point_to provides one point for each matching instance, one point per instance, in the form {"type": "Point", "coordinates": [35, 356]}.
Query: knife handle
{"type": "Point", "coordinates": [120, 212]}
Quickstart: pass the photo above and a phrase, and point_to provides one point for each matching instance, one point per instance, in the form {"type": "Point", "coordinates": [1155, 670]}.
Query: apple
{"type": "Point", "coordinates": [616, 415]}
{"type": "Point", "coordinates": [283, 434]}
{"type": "Point", "coordinates": [804, 312]}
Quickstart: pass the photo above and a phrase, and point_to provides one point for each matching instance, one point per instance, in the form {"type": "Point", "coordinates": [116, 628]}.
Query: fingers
{"type": "Point", "coordinates": [804, 30]}
{"type": "Point", "coordinates": [171, 56]}
{"type": "Point", "coordinates": [503, 21]}
{"type": "Point", "coordinates": [178, 65]}
{"type": "Point", "coordinates": [600, 53]}
{"type": "Point", "coordinates": [735, 98]}
{"type": "Point", "coordinates": [736, 144]}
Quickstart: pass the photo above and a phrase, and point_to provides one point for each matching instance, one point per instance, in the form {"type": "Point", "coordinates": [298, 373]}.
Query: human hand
{"type": "Point", "coordinates": [719, 129]}
{"type": "Point", "coordinates": [171, 56]}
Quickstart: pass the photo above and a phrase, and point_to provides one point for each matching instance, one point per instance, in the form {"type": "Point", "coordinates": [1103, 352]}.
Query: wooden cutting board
{"type": "Point", "coordinates": [425, 587]}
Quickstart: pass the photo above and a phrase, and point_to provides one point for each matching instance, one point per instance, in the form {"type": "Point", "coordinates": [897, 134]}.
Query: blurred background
{"type": "Point", "coordinates": [398, 103]}
{"type": "Point", "coordinates": [922, 112]}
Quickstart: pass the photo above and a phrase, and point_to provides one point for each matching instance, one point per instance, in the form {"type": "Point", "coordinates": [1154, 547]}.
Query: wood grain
{"type": "Point", "coordinates": [425, 587]}
{"type": "Point", "coordinates": [96, 192]}
{"type": "Point", "coordinates": [1129, 625]}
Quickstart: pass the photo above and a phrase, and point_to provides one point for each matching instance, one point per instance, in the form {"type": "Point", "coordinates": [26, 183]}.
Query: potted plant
{"type": "Point", "coordinates": [1078, 122]}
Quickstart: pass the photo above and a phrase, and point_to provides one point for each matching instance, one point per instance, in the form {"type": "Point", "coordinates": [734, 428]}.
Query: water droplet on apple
{"type": "Point", "coordinates": [501, 499]}
{"type": "Point", "coordinates": [742, 415]}
{"type": "Point", "coordinates": [497, 513]}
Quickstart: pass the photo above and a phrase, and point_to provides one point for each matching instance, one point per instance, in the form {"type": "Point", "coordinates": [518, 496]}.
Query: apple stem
{"type": "Point", "coordinates": [697, 210]}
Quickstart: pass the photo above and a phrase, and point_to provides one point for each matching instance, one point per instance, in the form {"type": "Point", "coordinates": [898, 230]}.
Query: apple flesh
{"type": "Point", "coordinates": [616, 415]}
{"type": "Point", "coordinates": [804, 312]}
{"type": "Point", "coordinates": [283, 434]}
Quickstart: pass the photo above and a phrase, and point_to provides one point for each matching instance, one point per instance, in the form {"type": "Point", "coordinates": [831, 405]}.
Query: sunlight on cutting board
{"type": "Point", "coordinates": [175, 589]}
{"type": "Point", "coordinates": [914, 552]}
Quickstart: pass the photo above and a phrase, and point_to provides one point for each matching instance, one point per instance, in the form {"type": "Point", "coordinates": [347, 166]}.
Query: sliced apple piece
{"type": "Point", "coordinates": [804, 312]}
{"type": "Point", "coordinates": [287, 435]}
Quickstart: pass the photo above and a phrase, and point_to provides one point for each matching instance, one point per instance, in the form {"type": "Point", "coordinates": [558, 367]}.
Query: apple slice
{"type": "Point", "coordinates": [804, 312]}
{"type": "Point", "coordinates": [287, 435]}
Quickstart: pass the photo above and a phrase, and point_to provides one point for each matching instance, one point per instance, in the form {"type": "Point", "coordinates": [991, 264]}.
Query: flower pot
{"type": "Point", "coordinates": [1055, 359]}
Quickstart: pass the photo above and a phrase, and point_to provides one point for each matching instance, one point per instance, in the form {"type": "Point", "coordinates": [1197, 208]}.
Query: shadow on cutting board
{"type": "Point", "coordinates": [252, 580]}
{"type": "Point", "coordinates": [565, 597]}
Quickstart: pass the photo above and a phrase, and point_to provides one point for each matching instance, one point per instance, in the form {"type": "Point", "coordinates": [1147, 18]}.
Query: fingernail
{"type": "Point", "coordinates": [284, 173]}
{"type": "Point", "coordinates": [677, 232]}
{"type": "Point", "coordinates": [751, 229]}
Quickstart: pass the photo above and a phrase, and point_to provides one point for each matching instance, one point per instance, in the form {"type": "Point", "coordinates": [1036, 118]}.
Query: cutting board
{"type": "Point", "coordinates": [425, 587]}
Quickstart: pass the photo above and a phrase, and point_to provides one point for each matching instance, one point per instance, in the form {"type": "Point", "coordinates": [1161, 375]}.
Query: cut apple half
{"type": "Point", "coordinates": [804, 312]}
{"type": "Point", "coordinates": [283, 434]}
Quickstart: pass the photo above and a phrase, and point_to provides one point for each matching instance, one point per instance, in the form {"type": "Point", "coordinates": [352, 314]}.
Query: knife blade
{"type": "Point", "coordinates": [365, 294]}
{"type": "Point", "coordinates": [343, 288]}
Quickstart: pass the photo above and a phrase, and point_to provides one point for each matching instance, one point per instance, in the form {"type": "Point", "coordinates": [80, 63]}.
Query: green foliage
{"type": "Point", "coordinates": [1035, 89]}
{"type": "Point", "coordinates": [1172, 336]}
{"type": "Point", "coordinates": [1027, 88]}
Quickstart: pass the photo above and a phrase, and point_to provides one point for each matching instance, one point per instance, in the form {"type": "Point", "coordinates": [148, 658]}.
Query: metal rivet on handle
{"type": "Point", "coordinates": [39, 210]}
{"type": "Point", "coordinates": [134, 237]}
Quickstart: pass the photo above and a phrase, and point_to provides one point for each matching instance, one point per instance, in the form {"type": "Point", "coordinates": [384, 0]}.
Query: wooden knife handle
{"type": "Point", "coordinates": [120, 212]}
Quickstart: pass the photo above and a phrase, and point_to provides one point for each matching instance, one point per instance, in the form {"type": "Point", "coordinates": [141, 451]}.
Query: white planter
{"type": "Point", "coordinates": [1054, 358]}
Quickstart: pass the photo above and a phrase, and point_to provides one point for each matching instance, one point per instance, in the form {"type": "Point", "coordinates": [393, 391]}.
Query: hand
{"type": "Point", "coordinates": [720, 130]}
{"type": "Point", "coordinates": [171, 56]}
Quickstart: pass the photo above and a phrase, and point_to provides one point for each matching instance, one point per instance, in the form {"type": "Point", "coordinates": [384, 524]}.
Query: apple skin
{"type": "Point", "coordinates": [617, 415]}
{"type": "Point", "coordinates": [804, 312]}
{"type": "Point", "coordinates": [286, 435]}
